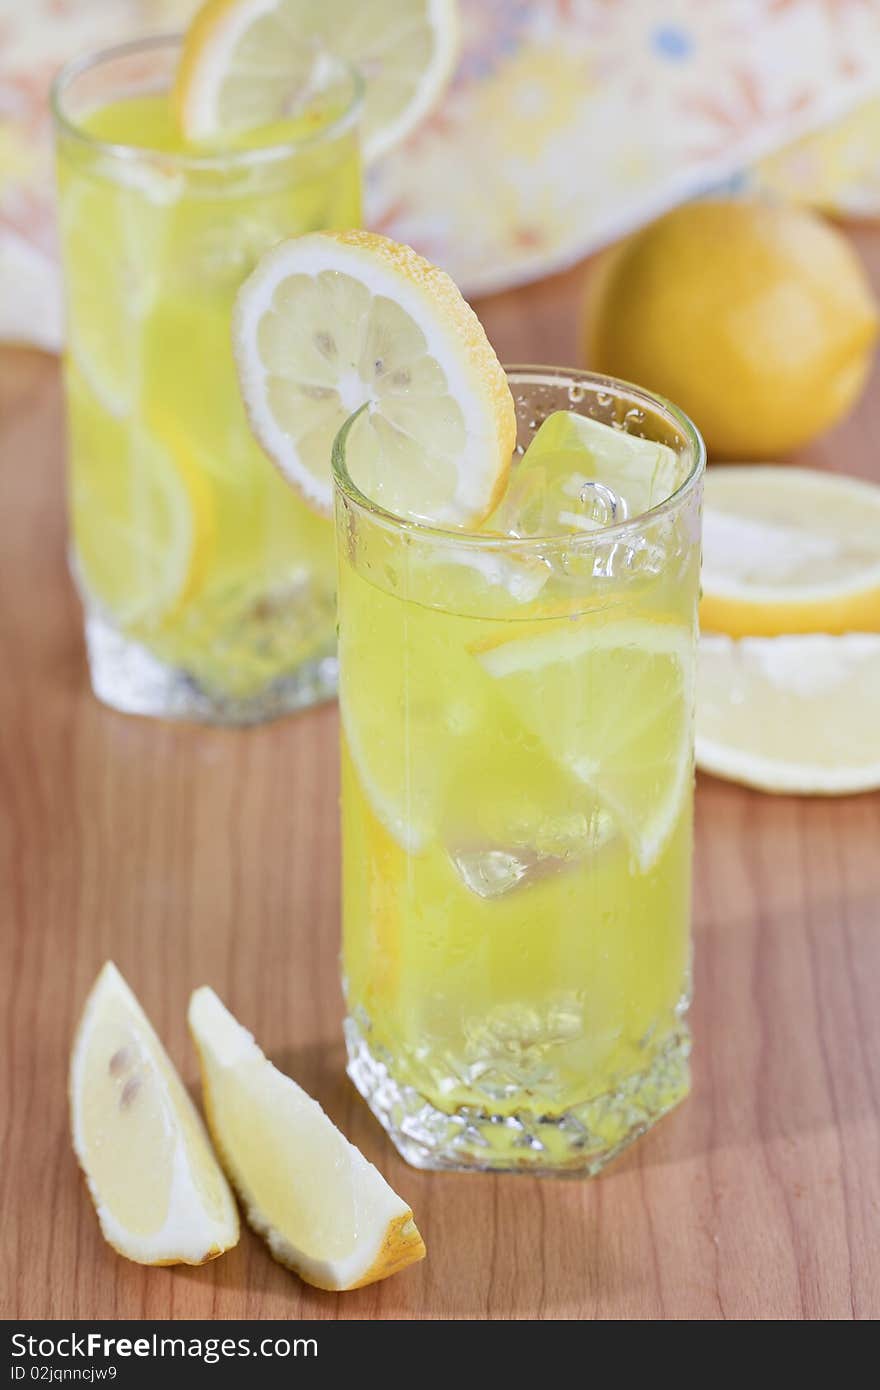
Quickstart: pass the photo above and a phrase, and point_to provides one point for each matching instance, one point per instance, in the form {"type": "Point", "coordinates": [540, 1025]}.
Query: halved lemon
{"type": "Point", "coordinates": [791, 714]}
{"type": "Point", "coordinates": [324, 1210]}
{"type": "Point", "coordinates": [242, 65]}
{"type": "Point", "coordinates": [160, 1195]}
{"type": "Point", "coordinates": [627, 732]}
{"type": "Point", "coordinates": [333, 321]}
{"type": "Point", "coordinates": [789, 550]}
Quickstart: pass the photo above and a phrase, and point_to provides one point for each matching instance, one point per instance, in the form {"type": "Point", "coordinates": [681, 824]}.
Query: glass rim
{"type": "Point", "coordinates": [345, 486]}
{"type": "Point", "coordinates": [210, 160]}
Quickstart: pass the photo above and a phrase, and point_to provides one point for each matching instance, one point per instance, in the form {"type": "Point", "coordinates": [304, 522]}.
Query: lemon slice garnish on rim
{"type": "Point", "coordinates": [159, 1192]}
{"type": "Point", "coordinates": [794, 714]}
{"type": "Point", "coordinates": [333, 321]}
{"type": "Point", "coordinates": [245, 63]}
{"type": "Point", "coordinates": [788, 550]}
{"type": "Point", "coordinates": [628, 735]}
{"type": "Point", "coordinates": [324, 1210]}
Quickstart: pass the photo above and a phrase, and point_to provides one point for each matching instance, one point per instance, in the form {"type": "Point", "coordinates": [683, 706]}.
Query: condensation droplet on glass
{"type": "Point", "coordinates": [576, 393]}
{"type": "Point", "coordinates": [604, 398]}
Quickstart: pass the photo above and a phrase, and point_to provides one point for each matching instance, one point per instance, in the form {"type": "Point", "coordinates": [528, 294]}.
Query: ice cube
{"type": "Point", "coordinates": [493, 870]}
{"type": "Point", "coordinates": [580, 475]}
{"type": "Point", "coordinates": [490, 873]}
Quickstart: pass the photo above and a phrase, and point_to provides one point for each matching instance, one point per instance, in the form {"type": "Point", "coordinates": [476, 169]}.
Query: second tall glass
{"type": "Point", "coordinates": [208, 586]}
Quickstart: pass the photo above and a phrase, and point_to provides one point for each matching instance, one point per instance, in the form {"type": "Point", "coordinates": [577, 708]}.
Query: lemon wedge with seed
{"type": "Point", "coordinates": [324, 1210]}
{"type": "Point", "coordinates": [333, 321]}
{"type": "Point", "coordinates": [159, 1192]}
{"type": "Point", "coordinates": [789, 550]}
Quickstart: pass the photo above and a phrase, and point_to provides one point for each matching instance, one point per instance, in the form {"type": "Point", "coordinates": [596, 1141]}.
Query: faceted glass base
{"type": "Point", "coordinates": [129, 678]}
{"type": "Point", "coordinates": [578, 1142]}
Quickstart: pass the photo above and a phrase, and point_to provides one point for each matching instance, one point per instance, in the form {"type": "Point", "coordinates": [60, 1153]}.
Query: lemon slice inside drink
{"type": "Point", "coordinates": [105, 235]}
{"type": "Point", "coordinates": [325, 1211]}
{"type": "Point", "coordinates": [628, 734]}
{"type": "Point", "coordinates": [335, 321]}
{"type": "Point", "coordinates": [142, 515]}
{"type": "Point", "coordinates": [158, 1189]}
{"type": "Point", "coordinates": [248, 64]}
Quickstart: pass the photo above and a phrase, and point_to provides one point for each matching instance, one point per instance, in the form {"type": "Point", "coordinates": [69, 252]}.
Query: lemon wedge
{"type": "Point", "coordinates": [324, 1210]}
{"type": "Point", "coordinates": [793, 714]}
{"type": "Point", "coordinates": [331, 321]}
{"type": "Point", "coordinates": [245, 62]}
{"type": "Point", "coordinates": [789, 550]}
{"type": "Point", "coordinates": [628, 735]}
{"type": "Point", "coordinates": [159, 1192]}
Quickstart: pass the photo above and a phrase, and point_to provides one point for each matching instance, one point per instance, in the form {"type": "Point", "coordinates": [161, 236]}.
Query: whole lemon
{"type": "Point", "coordinates": [756, 318]}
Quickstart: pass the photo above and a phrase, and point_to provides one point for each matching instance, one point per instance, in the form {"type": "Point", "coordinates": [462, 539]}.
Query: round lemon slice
{"type": "Point", "coordinates": [793, 714]}
{"type": "Point", "coordinates": [789, 550]}
{"type": "Point", "coordinates": [142, 512]}
{"type": "Point", "coordinates": [242, 65]}
{"type": "Point", "coordinates": [160, 1195]}
{"type": "Point", "coordinates": [112, 233]}
{"type": "Point", "coordinates": [324, 1210]}
{"type": "Point", "coordinates": [628, 734]}
{"type": "Point", "coordinates": [333, 321]}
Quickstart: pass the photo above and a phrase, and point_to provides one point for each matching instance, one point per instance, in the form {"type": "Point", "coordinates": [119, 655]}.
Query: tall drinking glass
{"type": "Point", "coordinates": [517, 779]}
{"type": "Point", "coordinates": [208, 586]}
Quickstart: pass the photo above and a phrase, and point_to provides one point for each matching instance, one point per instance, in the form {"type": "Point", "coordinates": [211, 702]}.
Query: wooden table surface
{"type": "Point", "coordinates": [194, 855]}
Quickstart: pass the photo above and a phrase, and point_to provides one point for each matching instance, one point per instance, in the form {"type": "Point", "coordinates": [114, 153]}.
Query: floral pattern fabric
{"type": "Point", "coordinates": [568, 123]}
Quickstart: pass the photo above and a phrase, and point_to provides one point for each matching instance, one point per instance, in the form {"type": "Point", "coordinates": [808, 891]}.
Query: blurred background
{"type": "Point", "coordinates": [568, 123]}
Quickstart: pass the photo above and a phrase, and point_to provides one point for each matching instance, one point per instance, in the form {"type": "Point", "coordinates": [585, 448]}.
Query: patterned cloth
{"type": "Point", "coordinates": [568, 123]}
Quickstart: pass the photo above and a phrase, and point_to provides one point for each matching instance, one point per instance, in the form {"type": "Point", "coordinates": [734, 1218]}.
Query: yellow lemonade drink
{"type": "Point", "coordinates": [517, 709]}
{"type": "Point", "coordinates": [208, 584]}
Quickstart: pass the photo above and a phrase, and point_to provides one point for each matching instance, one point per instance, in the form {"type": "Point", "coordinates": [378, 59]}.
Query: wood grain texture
{"type": "Point", "coordinates": [194, 855]}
